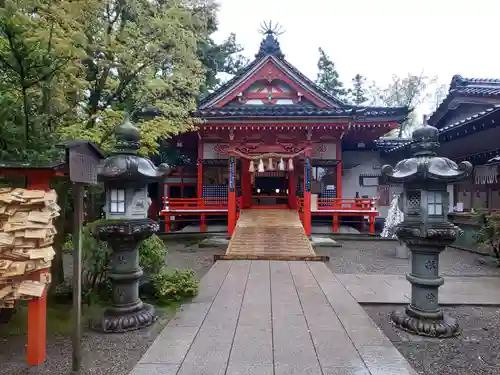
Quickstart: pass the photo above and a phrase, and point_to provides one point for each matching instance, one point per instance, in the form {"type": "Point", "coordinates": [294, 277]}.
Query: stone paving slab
{"type": "Point", "coordinates": [395, 289]}
{"type": "Point", "coordinates": [272, 318]}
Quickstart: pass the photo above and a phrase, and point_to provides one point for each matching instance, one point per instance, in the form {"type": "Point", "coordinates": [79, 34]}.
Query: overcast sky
{"type": "Point", "coordinates": [376, 38]}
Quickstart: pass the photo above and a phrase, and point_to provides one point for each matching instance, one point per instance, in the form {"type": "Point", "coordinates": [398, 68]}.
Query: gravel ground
{"type": "Point", "coordinates": [377, 257]}
{"type": "Point", "coordinates": [475, 352]}
{"type": "Point", "coordinates": [103, 354]}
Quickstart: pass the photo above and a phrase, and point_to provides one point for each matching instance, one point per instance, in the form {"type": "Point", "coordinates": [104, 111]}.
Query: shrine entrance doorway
{"type": "Point", "coordinates": [270, 190]}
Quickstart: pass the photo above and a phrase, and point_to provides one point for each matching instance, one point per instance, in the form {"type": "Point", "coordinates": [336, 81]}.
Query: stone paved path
{"type": "Point", "coordinates": [272, 318]}
{"type": "Point", "coordinates": [478, 290]}
{"type": "Point", "coordinates": [270, 234]}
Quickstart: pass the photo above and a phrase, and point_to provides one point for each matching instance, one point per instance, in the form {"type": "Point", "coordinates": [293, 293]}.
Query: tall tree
{"type": "Point", "coordinates": [41, 45]}
{"type": "Point", "coordinates": [410, 91]}
{"type": "Point", "coordinates": [358, 93]}
{"type": "Point", "coordinates": [328, 78]}
{"type": "Point", "coordinates": [141, 55]}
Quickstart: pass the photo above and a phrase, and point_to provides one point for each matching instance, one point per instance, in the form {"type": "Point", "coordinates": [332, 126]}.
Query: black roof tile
{"type": "Point", "coordinates": [384, 143]}
{"type": "Point", "coordinates": [471, 87]}
{"type": "Point", "coordinates": [301, 110]}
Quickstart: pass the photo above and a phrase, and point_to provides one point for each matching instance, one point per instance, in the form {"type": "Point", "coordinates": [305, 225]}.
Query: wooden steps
{"type": "Point", "coordinates": [270, 235]}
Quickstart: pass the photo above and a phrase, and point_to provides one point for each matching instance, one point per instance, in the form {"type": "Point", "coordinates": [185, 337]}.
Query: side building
{"type": "Point", "coordinates": [468, 120]}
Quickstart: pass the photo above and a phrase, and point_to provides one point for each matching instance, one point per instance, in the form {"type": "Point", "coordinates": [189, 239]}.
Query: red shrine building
{"type": "Point", "coordinates": [272, 139]}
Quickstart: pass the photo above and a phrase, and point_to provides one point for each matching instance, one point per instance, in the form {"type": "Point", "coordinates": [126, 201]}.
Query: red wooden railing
{"type": "Point", "coordinates": [341, 204]}
{"type": "Point", "coordinates": [337, 207]}
{"type": "Point", "coordinates": [194, 204]}
{"type": "Point", "coordinates": [201, 207]}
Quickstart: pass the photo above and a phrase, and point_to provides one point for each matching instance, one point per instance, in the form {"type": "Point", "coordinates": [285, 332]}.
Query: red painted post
{"type": "Point", "coordinates": [37, 308]}
{"type": "Point", "coordinates": [338, 151]}
{"type": "Point", "coordinates": [335, 223]}
{"type": "Point", "coordinates": [231, 201]}
{"type": "Point", "coordinates": [246, 184]}
{"type": "Point", "coordinates": [372, 224]}
{"type": "Point", "coordinates": [199, 181]}
{"type": "Point", "coordinates": [292, 198]}
{"type": "Point", "coordinates": [307, 192]}
{"type": "Point", "coordinates": [168, 224]}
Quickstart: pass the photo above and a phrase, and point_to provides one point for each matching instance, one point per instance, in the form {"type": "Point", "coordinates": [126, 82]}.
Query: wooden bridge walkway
{"type": "Point", "coordinates": [270, 235]}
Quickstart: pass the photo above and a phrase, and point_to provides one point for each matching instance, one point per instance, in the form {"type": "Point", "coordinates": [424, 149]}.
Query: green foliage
{"type": "Point", "coordinates": [152, 252]}
{"type": "Point", "coordinates": [358, 92]}
{"type": "Point", "coordinates": [328, 77]}
{"type": "Point", "coordinates": [71, 69]}
{"type": "Point", "coordinates": [164, 286]}
{"type": "Point", "coordinates": [96, 255]}
{"type": "Point", "coordinates": [410, 91]}
{"type": "Point", "coordinates": [489, 233]}
{"type": "Point", "coordinates": [174, 285]}
{"type": "Point", "coordinates": [41, 46]}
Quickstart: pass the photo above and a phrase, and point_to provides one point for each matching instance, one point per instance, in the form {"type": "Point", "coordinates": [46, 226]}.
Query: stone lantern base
{"type": "Point", "coordinates": [443, 327]}
{"type": "Point", "coordinates": [127, 312]}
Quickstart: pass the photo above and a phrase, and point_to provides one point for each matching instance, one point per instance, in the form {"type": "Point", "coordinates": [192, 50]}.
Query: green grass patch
{"type": "Point", "coordinates": [59, 318]}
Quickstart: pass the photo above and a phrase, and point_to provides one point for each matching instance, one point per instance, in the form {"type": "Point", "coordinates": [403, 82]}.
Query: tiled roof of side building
{"type": "Point", "coordinates": [472, 87]}
{"type": "Point", "coordinates": [398, 113]}
{"type": "Point", "coordinates": [479, 115]}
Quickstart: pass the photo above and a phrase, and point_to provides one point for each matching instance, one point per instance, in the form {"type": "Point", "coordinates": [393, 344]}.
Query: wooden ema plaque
{"type": "Point", "coordinates": [26, 236]}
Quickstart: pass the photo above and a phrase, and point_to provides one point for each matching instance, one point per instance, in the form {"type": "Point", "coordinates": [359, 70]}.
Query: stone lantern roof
{"type": "Point", "coordinates": [425, 165]}
{"type": "Point", "coordinates": [124, 167]}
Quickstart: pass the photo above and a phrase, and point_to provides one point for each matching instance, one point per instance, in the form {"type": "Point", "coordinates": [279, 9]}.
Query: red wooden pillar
{"type": "Point", "coordinates": [199, 181]}
{"type": "Point", "coordinates": [231, 199]}
{"type": "Point", "coordinates": [307, 192]}
{"type": "Point", "coordinates": [372, 224]}
{"type": "Point", "coordinates": [339, 168]}
{"type": "Point", "coordinates": [292, 187]}
{"type": "Point", "coordinates": [37, 308]}
{"type": "Point", "coordinates": [246, 184]}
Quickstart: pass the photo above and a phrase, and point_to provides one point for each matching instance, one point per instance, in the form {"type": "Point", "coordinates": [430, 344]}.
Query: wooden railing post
{"type": "Point", "coordinates": [307, 193]}
{"type": "Point", "coordinates": [37, 308]}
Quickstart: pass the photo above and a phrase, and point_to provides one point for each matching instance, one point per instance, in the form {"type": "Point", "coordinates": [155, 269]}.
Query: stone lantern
{"type": "Point", "coordinates": [426, 230]}
{"type": "Point", "coordinates": [126, 176]}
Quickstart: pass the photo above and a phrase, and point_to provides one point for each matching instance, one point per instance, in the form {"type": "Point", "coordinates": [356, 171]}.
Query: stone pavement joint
{"type": "Point", "coordinates": [395, 289]}
{"type": "Point", "coordinates": [272, 318]}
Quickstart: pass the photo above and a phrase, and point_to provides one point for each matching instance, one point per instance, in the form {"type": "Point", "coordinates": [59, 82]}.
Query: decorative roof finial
{"type": "Point", "coordinates": [425, 139]}
{"type": "Point", "coordinates": [270, 44]}
{"type": "Point", "coordinates": [127, 136]}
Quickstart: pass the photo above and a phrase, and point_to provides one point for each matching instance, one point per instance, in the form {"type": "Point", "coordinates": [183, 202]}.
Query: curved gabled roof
{"type": "Point", "coordinates": [466, 87]}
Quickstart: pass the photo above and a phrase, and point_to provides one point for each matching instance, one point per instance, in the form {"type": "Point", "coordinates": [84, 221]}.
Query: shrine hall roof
{"type": "Point", "coordinates": [469, 88]}
{"type": "Point", "coordinates": [270, 51]}
{"type": "Point", "coordinates": [239, 111]}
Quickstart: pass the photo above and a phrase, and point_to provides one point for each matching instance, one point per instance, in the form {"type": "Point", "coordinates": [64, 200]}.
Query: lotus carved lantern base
{"type": "Point", "coordinates": [442, 327]}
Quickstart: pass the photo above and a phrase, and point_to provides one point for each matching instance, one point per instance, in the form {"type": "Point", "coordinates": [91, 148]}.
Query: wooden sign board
{"type": "Point", "coordinates": [83, 162]}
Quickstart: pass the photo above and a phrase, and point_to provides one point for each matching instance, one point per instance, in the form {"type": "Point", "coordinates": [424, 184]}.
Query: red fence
{"type": "Point", "coordinates": [337, 207]}
{"type": "Point", "coordinates": [201, 207]}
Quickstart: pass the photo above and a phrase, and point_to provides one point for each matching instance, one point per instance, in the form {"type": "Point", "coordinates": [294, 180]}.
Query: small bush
{"type": "Point", "coordinates": [152, 252]}
{"type": "Point", "coordinates": [161, 285]}
{"type": "Point", "coordinates": [489, 233]}
{"type": "Point", "coordinates": [174, 285]}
